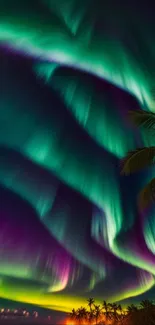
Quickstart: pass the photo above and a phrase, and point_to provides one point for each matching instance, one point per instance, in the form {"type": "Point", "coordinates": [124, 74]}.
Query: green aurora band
{"type": "Point", "coordinates": [68, 36]}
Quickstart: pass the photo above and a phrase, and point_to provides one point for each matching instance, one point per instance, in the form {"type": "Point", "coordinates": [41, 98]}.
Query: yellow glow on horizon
{"type": "Point", "coordinates": [60, 302]}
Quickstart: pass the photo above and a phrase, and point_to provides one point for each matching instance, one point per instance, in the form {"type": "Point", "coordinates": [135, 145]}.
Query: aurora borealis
{"type": "Point", "coordinates": [70, 228]}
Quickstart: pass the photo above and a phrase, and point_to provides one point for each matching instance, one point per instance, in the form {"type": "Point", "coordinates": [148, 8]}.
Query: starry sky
{"type": "Point", "coordinates": [70, 228]}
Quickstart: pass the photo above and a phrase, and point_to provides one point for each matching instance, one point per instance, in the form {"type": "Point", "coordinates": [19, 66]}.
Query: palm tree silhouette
{"type": "Point", "coordinates": [91, 302]}
{"type": "Point", "coordinates": [146, 304]}
{"type": "Point", "coordinates": [97, 313]}
{"type": "Point", "coordinates": [91, 316]}
{"type": "Point", "coordinates": [132, 309]}
{"type": "Point", "coordinates": [133, 316]}
{"type": "Point", "coordinates": [107, 310]}
{"type": "Point", "coordinates": [142, 157]}
{"type": "Point", "coordinates": [81, 315]}
{"type": "Point", "coordinates": [147, 311]}
{"type": "Point", "coordinates": [121, 313]}
{"type": "Point", "coordinates": [114, 314]}
{"type": "Point", "coordinates": [73, 314]}
{"type": "Point", "coordinates": [114, 309]}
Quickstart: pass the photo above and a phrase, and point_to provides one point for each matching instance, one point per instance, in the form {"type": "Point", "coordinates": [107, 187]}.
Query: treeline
{"type": "Point", "coordinates": [114, 314]}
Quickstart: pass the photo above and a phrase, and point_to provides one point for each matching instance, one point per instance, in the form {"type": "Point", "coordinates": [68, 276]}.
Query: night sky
{"type": "Point", "coordinates": [70, 228]}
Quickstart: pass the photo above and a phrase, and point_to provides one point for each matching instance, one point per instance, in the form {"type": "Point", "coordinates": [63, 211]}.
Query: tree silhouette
{"type": "Point", "coordinates": [97, 313]}
{"type": "Point", "coordinates": [91, 302]}
{"type": "Point", "coordinates": [113, 314]}
{"type": "Point", "coordinates": [132, 309]}
{"type": "Point", "coordinates": [91, 316]}
{"type": "Point", "coordinates": [107, 310]}
{"type": "Point", "coordinates": [81, 315]}
{"type": "Point", "coordinates": [142, 157]}
{"type": "Point", "coordinates": [146, 304]}
{"type": "Point", "coordinates": [73, 314]}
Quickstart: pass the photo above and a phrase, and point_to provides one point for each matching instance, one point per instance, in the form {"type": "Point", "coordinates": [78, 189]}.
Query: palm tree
{"type": "Point", "coordinates": [145, 315]}
{"type": "Point", "coordinates": [132, 309]}
{"type": "Point", "coordinates": [142, 157]}
{"type": "Point", "coordinates": [147, 304]}
{"type": "Point", "coordinates": [142, 316]}
{"type": "Point", "coordinates": [91, 302]}
{"type": "Point", "coordinates": [97, 313]}
{"type": "Point", "coordinates": [114, 309]}
{"type": "Point", "coordinates": [73, 314]}
{"type": "Point", "coordinates": [107, 310]}
{"type": "Point", "coordinates": [121, 313]}
{"type": "Point", "coordinates": [105, 306]}
{"type": "Point", "coordinates": [91, 316]}
{"type": "Point", "coordinates": [81, 315]}
{"type": "Point", "coordinates": [132, 316]}
{"type": "Point", "coordinates": [148, 310]}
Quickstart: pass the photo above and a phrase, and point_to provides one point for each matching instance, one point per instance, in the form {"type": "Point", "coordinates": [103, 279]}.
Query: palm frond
{"type": "Point", "coordinates": [147, 195]}
{"type": "Point", "coordinates": [137, 160]}
{"type": "Point", "coordinates": [142, 118]}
